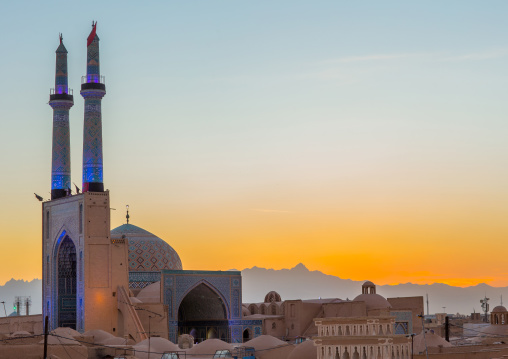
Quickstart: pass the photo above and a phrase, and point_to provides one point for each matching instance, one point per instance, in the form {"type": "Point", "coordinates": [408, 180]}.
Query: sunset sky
{"type": "Point", "coordinates": [367, 140]}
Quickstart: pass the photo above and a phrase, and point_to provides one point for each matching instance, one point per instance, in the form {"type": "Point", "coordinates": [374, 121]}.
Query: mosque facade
{"type": "Point", "coordinates": [94, 277]}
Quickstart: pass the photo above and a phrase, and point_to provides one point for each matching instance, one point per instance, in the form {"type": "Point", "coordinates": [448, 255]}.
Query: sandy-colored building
{"type": "Point", "coordinates": [292, 319]}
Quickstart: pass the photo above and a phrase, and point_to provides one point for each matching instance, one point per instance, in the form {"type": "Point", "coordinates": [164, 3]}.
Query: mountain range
{"type": "Point", "coordinates": [301, 283]}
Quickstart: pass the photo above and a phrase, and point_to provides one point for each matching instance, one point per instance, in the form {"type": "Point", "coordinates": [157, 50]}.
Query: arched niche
{"type": "Point", "coordinates": [203, 310]}
{"type": "Point", "coordinates": [66, 274]}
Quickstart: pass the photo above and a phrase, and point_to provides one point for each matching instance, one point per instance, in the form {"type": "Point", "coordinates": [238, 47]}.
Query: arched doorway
{"type": "Point", "coordinates": [203, 312]}
{"type": "Point", "coordinates": [66, 261]}
{"type": "Point", "coordinates": [247, 335]}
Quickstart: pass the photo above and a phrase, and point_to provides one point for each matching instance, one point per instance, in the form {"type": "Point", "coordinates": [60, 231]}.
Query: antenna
{"type": "Point", "coordinates": [428, 304]}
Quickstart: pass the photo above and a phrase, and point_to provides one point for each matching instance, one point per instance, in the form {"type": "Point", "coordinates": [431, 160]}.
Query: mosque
{"type": "Point", "coordinates": [125, 285]}
{"type": "Point", "coordinates": [93, 276]}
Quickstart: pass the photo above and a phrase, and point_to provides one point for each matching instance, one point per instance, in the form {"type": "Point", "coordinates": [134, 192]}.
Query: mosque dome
{"type": "Point", "coordinates": [272, 296]}
{"type": "Point", "coordinates": [499, 309]}
{"type": "Point", "coordinates": [147, 252]}
{"type": "Point", "coordinates": [372, 300]}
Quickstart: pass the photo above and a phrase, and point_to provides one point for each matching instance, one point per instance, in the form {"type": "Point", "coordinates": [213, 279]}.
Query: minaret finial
{"type": "Point", "coordinates": [61, 38]}
{"type": "Point", "coordinates": [127, 216]}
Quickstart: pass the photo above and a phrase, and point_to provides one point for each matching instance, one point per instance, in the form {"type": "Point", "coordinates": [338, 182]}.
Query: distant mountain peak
{"type": "Point", "coordinates": [300, 267]}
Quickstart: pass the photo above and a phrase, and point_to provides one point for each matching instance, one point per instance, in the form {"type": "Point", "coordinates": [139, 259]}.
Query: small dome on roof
{"type": "Point", "coordinates": [371, 299]}
{"type": "Point", "coordinates": [150, 294]}
{"type": "Point", "coordinates": [305, 350]}
{"type": "Point", "coordinates": [368, 288]}
{"type": "Point", "coordinates": [431, 340]}
{"type": "Point", "coordinates": [272, 296]}
{"type": "Point", "coordinates": [147, 252]}
{"type": "Point", "coordinates": [499, 309]}
{"type": "Point", "coordinates": [245, 312]}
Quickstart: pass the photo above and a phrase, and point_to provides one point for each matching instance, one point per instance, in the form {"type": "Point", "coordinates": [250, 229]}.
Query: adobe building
{"type": "Point", "coordinates": [291, 319]}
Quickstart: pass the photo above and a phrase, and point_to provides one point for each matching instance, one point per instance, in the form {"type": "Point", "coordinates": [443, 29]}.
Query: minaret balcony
{"type": "Point", "coordinates": [61, 95]}
{"type": "Point", "coordinates": [93, 82]}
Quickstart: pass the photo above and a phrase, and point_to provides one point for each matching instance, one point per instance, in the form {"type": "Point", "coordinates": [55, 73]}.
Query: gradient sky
{"type": "Point", "coordinates": [367, 140]}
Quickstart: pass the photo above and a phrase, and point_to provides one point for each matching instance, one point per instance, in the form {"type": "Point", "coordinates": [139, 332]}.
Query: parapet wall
{"type": "Point", "coordinates": [28, 323]}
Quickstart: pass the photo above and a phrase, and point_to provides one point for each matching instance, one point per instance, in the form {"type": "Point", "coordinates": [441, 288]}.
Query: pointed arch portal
{"type": "Point", "coordinates": [66, 261]}
{"type": "Point", "coordinates": [203, 313]}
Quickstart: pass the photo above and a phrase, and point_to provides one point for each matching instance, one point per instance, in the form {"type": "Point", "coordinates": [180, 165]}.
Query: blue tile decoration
{"type": "Point", "coordinates": [403, 321]}
{"type": "Point", "coordinates": [178, 283]}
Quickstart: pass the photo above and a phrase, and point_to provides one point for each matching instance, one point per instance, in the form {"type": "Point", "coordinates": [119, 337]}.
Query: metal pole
{"type": "Point", "coordinates": [424, 339]}
{"type": "Point", "coordinates": [46, 324]}
{"type": "Point", "coordinates": [447, 329]}
{"type": "Point", "coordinates": [412, 350]}
{"type": "Point", "coordinates": [149, 317]}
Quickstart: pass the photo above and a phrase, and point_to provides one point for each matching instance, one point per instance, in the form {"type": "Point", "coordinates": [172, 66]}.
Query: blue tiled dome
{"type": "Point", "coordinates": [147, 252]}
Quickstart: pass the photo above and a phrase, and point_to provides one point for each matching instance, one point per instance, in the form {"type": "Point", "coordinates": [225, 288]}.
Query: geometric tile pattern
{"type": "Point", "coordinates": [61, 162]}
{"type": "Point", "coordinates": [92, 128]}
{"type": "Point", "coordinates": [140, 280]}
{"type": "Point", "coordinates": [147, 254]}
{"type": "Point", "coordinates": [61, 77]}
{"type": "Point", "coordinates": [92, 60]}
{"type": "Point", "coordinates": [152, 254]}
{"type": "Point", "coordinates": [92, 137]}
{"type": "Point", "coordinates": [403, 321]}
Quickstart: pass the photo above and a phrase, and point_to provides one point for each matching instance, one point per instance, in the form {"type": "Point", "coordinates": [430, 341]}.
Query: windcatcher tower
{"type": "Point", "coordinates": [93, 90]}
{"type": "Point", "coordinates": [61, 100]}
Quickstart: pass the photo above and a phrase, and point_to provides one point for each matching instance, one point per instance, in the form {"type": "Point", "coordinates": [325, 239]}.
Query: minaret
{"type": "Point", "coordinates": [61, 100]}
{"type": "Point", "coordinates": [92, 90]}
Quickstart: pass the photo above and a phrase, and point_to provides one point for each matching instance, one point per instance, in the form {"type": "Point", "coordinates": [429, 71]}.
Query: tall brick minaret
{"type": "Point", "coordinates": [61, 101]}
{"type": "Point", "coordinates": [93, 90]}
